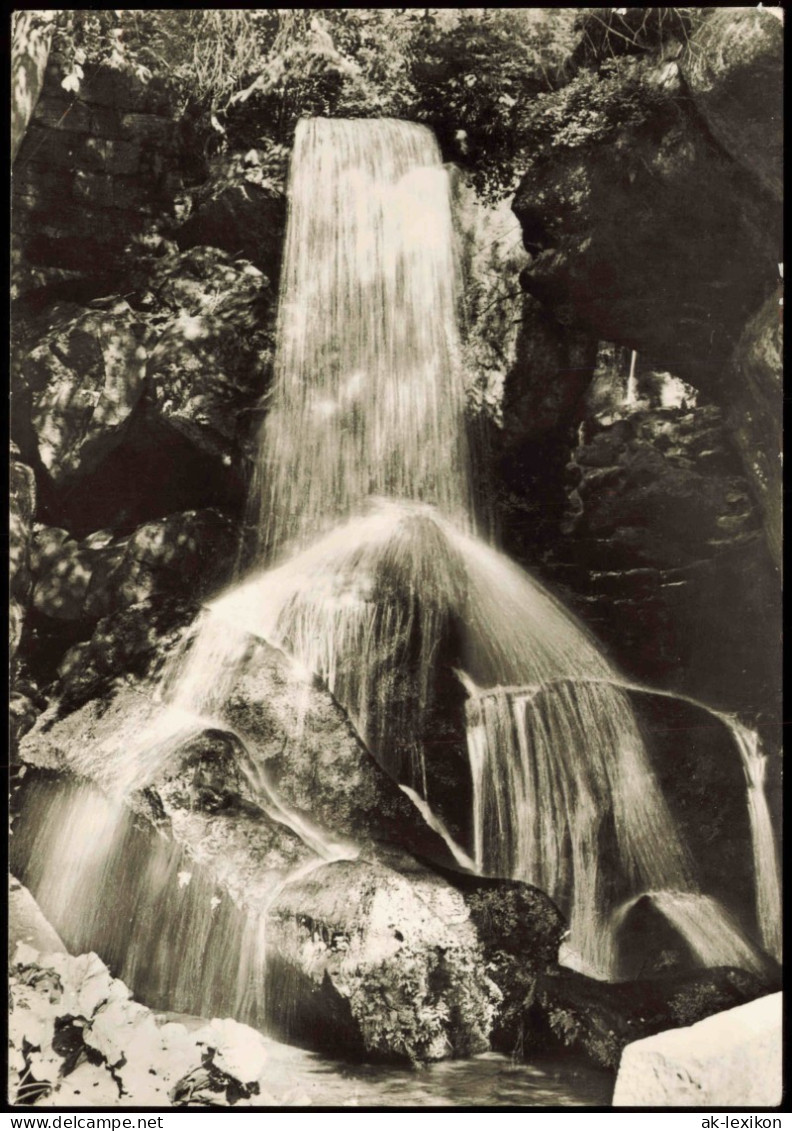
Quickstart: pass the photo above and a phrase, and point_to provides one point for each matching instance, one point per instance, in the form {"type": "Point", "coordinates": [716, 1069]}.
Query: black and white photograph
{"type": "Point", "coordinates": [395, 561]}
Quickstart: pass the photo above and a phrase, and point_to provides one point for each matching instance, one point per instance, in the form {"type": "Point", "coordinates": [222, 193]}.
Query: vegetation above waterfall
{"type": "Point", "coordinates": [492, 82]}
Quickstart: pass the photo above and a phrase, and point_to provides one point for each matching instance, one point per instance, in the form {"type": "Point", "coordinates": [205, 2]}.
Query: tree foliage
{"type": "Point", "coordinates": [246, 76]}
{"type": "Point", "coordinates": [492, 82]}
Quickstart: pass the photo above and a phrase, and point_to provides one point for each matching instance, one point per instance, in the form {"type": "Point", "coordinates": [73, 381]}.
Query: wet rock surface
{"type": "Point", "coordinates": [136, 396]}
{"type": "Point", "coordinates": [315, 761]}
{"type": "Point", "coordinates": [397, 956]}
{"type": "Point", "coordinates": [600, 1018]}
{"type": "Point", "coordinates": [383, 955]}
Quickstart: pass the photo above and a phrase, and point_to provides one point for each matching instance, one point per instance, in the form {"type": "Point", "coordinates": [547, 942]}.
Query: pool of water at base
{"type": "Point", "coordinates": [298, 1078]}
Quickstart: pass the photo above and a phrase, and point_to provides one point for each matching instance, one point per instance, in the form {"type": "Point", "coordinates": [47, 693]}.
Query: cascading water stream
{"type": "Point", "coordinates": [754, 764]}
{"type": "Point", "coordinates": [369, 395]}
{"type": "Point", "coordinates": [157, 917]}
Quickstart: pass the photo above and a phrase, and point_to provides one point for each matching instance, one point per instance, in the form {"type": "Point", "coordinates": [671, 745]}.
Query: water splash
{"type": "Point", "coordinates": [156, 916]}
{"type": "Point", "coordinates": [433, 821]}
{"type": "Point", "coordinates": [710, 934]}
{"type": "Point", "coordinates": [159, 918]}
{"type": "Point", "coordinates": [563, 793]}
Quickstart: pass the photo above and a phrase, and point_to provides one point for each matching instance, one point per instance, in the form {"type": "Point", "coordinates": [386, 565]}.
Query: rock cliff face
{"type": "Point", "coordinates": [658, 231]}
{"type": "Point", "coordinates": [137, 406]}
{"type": "Point", "coordinates": [663, 234]}
{"type": "Point", "coordinates": [91, 170]}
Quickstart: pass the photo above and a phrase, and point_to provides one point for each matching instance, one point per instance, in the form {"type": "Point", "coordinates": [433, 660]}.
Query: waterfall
{"type": "Point", "coordinates": [161, 920]}
{"type": "Point", "coordinates": [631, 392]}
{"type": "Point", "coordinates": [768, 885]}
{"type": "Point", "coordinates": [368, 395]}
{"type": "Point", "coordinates": [566, 799]}
{"type": "Point", "coordinates": [371, 578]}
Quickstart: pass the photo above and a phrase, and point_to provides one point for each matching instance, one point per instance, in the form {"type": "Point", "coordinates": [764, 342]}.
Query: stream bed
{"type": "Point", "coordinates": [301, 1078]}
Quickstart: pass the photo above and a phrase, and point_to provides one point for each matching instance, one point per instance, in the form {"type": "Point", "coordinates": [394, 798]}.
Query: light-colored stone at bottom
{"type": "Point", "coordinates": [27, 923]}
{"type": "Point", "coordinates": [732, 1059]}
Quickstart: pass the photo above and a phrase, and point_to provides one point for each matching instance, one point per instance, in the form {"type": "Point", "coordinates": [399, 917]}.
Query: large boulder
{"type": "Point", "coordinates": [733, 1059]}
{"type": "Point", "coordinates": [733, 66]}
{"type": "Point", "coordinates": [520, 930]}
{"type": "Point", "coordinates": [313, 758]}
{"type": "Point", "coordinates": [288, 737]}
{"type": "Point", "coordinates": [392, 959]}
{"type": "Point", "coordinates": [599, 1019]}
{"type": "Point", "coordinates": [379, 957]}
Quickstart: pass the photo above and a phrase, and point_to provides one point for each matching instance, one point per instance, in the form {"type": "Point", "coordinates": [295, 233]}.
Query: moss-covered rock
{"type": "Point", "coordinates": [520, 929]}
{"type": "Point", "coordinates": [397, 956]}
{"type": "Point", "coordinates": [88, 580]}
